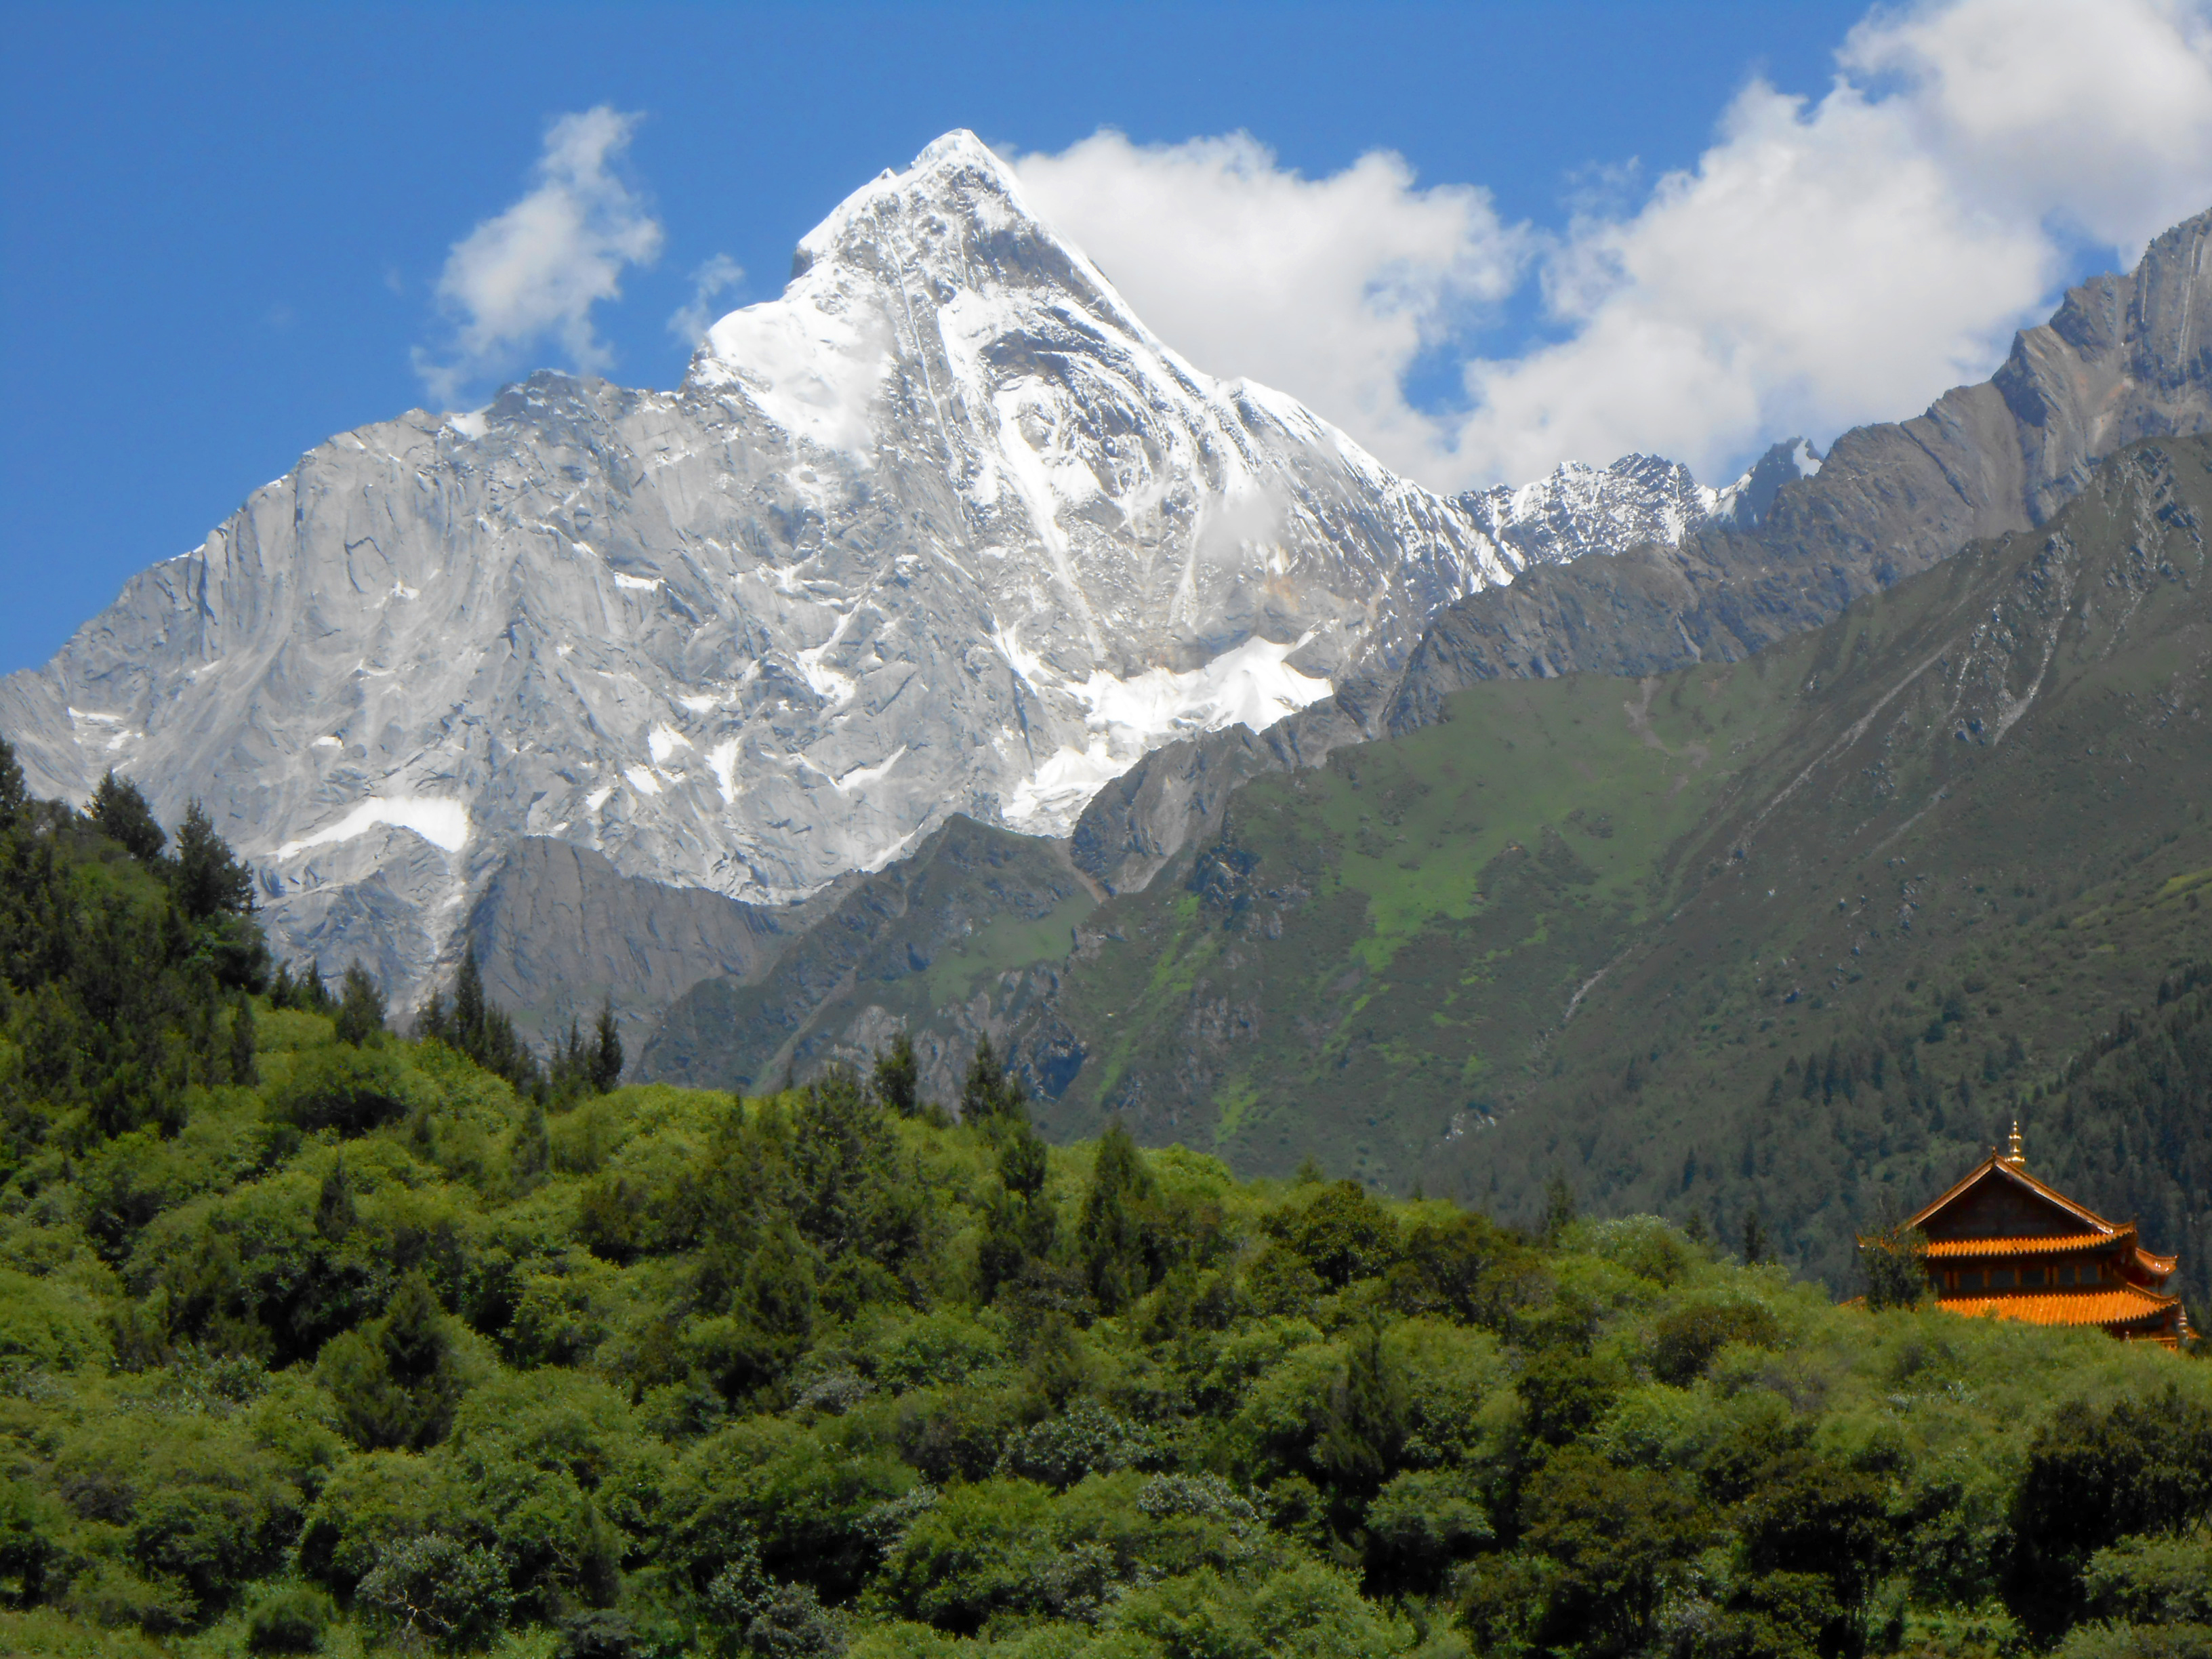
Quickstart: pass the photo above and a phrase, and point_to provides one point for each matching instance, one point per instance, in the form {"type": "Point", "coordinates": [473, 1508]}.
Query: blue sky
{"type": "Point", "coordinates": [222, 229]}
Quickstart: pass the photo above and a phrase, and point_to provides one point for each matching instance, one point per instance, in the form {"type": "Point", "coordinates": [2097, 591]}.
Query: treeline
{"type": "Point", "coordinates": [375, 1351]}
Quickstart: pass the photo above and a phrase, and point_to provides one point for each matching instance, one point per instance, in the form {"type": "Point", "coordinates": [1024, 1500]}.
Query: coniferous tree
{"type": "Point", "coordinates": [990, 1094]}
{"type": "Point", "coordinates": [124, 817]}
{"type": "Point", "coordinates": [244, 1066]}
{"type": "Point", "coordinates": [606, 1051]}
{"type": "Point", "coordinates": [570, 1073]}
{"type": "Point", "coordinates": [897, 1077]}
{"type": "Point", "coordinates": [1366, 1423]}
{"type": "Point", "coordinates": [361, 1007]}
{"type": "Point", "coordinates": [396, 1381]}
{"type": "Point", "coordinates": [533, 1150]}
{"type": "Point", "coordinates": [469, 1003]}
{"type": "Point", "coordinates": [334, 1211]}
{"type": "Point", "coordinates": [841, 1153]}
{"type": "Point", "coordinates": [210, 879]}
{"type": "Point", "coordinates": [13, 797]}
{"type": "Point", "coordinates": [1110, 1237]}
{"type": "Point", "coordinates": [1558, 1207]}
{"type": "Point", "coordinates": [303, 989]}
{"type": "Point", "coordinates": [1756, 1246]}
{"type": "Point", "coordinates": [480, 1029]}
{"type": "Point", "coordinates": [1020, 1225]}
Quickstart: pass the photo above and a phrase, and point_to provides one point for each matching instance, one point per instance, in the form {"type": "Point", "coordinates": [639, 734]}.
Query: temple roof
{"type": "Point", "coordinates": [2000, 1190]}
{"type": "Point", "coordinates": [2117, 1304]}
{"type": "Point", "coordinates": [2011, 1244]}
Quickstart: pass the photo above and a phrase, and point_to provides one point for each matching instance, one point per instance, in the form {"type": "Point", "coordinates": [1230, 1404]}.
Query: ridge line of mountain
{"type": "Point", "coordinates": [2070, 391]}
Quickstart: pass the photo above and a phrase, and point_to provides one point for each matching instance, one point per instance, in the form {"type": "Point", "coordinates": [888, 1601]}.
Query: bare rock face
{"type": "Point", "coordinates": [944, 530]}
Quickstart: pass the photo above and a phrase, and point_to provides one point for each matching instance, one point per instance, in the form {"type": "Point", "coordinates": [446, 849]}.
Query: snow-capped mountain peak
{"type": "Point", "coordinates": [943, 528]}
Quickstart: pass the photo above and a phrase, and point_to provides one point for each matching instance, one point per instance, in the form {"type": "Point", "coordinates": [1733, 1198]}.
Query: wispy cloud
{"type": "Point", "coordinates": [533, 273]}
{"type": "Point", "coordinates": [689, 323]}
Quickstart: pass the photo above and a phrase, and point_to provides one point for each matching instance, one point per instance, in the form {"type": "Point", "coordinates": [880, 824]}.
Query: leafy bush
{"type": "Point", "coordinates": [435, 1588]}
{"type": "Point", "coordinates": [350, 1089]}
{"type": "Point", "coordinates": [289, 1619]}
{"type": "Point", "coordinates": [1686, 1337]}
{"type": "Point", "coordinates": [2152, 1580]}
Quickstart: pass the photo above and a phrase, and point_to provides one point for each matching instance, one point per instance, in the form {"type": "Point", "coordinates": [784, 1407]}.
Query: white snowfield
{"type": "Point", "coordinates": [943, 529]}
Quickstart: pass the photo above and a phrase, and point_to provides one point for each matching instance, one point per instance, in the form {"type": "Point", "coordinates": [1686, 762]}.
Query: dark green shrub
{"type": "Point", "coordinates": [1344, 1233]}
{"type": "Point", "coordinates": [597, 1634]}
{"type": "Point", "coordinates": [1687, 1339]}
{"type": "Point", "coordinates": [350, 1089]}
{"type": "Point", "coordinates": [291, 1619]}
{"type": "Point", "coordinates": [2138, 1468]}
{"type": "Point", "coordinates": [1564, 1394]}
{"type": "Point", "coordinates": [435, 1588]}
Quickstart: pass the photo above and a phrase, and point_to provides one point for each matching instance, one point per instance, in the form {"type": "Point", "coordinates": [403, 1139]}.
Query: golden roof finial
{"type": "Point", "coordinates": [2013, 1158]}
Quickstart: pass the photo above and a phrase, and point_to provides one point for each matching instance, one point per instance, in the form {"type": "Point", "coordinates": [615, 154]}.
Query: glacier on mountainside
{"type": "Point", "coordinates": [944, 529]}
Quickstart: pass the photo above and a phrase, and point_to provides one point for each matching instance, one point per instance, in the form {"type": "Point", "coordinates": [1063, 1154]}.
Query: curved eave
{"type": "Point", "coordinates": [2114, 1307]}
{"type": "Point", "coordinates": [1968, 1250]}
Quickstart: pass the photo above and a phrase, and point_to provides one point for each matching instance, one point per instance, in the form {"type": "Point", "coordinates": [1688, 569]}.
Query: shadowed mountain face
{"type": "Point", "coordinates": [557, 930]}
{"type": "Point", "coordinates": [2124, 358]}
{"type": "Point", "coordinates": [921, 946]}
{"type": "Point", "coordinates": [1597, 924]}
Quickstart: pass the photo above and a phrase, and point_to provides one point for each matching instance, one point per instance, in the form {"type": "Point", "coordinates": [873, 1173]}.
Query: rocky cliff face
{"type": "Point", "coordinates": [557, 930]}
{"type": "Point", "coordinates": [944, 530]}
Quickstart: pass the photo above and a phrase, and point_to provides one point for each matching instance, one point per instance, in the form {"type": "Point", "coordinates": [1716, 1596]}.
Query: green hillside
{"type": "Point", "coordinates": [315, 1340]}
{"type": "Point", "coordinates": [1932, 853]}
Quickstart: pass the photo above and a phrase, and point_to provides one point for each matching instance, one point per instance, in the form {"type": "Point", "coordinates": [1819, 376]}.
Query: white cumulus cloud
{"type": "Point", "coordinates": [1326, 289]}
{"type": "Point", "coordinates": [535, 271]}
{"type": "Point", "coordinates": [1826, 261]}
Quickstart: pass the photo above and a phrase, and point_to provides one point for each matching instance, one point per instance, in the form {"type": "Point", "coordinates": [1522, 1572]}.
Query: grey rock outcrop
{"type": "Point", "coordinates": [557, 929]}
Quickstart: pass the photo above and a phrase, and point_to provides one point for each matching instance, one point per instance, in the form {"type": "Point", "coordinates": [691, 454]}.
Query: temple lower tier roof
{"type": "Point", "coordinates": [2108, 1306]}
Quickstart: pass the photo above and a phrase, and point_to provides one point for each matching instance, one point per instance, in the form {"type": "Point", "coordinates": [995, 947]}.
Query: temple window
{"type": "Point", "coordinates": [2001, 1279]}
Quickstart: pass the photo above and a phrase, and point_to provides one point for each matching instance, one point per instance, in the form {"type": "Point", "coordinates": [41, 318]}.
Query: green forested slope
{"type": "Point", "coordinates": [1929, 855]}
{"type": "Point", "coordinates": [313, 1339]}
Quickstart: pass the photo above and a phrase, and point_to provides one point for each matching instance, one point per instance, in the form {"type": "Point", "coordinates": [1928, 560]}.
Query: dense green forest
{"type": "Point", "coordinates": [317, 1338]}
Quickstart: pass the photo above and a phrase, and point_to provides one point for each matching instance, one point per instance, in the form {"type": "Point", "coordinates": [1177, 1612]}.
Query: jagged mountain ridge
{"type": "Point", "coordinates": [1786, 547]}
{"type": "Point", "coordinates": [2123, 358]}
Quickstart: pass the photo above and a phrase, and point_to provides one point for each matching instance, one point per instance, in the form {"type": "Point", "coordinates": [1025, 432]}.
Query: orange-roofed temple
{"type": "Point", "coordinates": [2002, 1243]}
